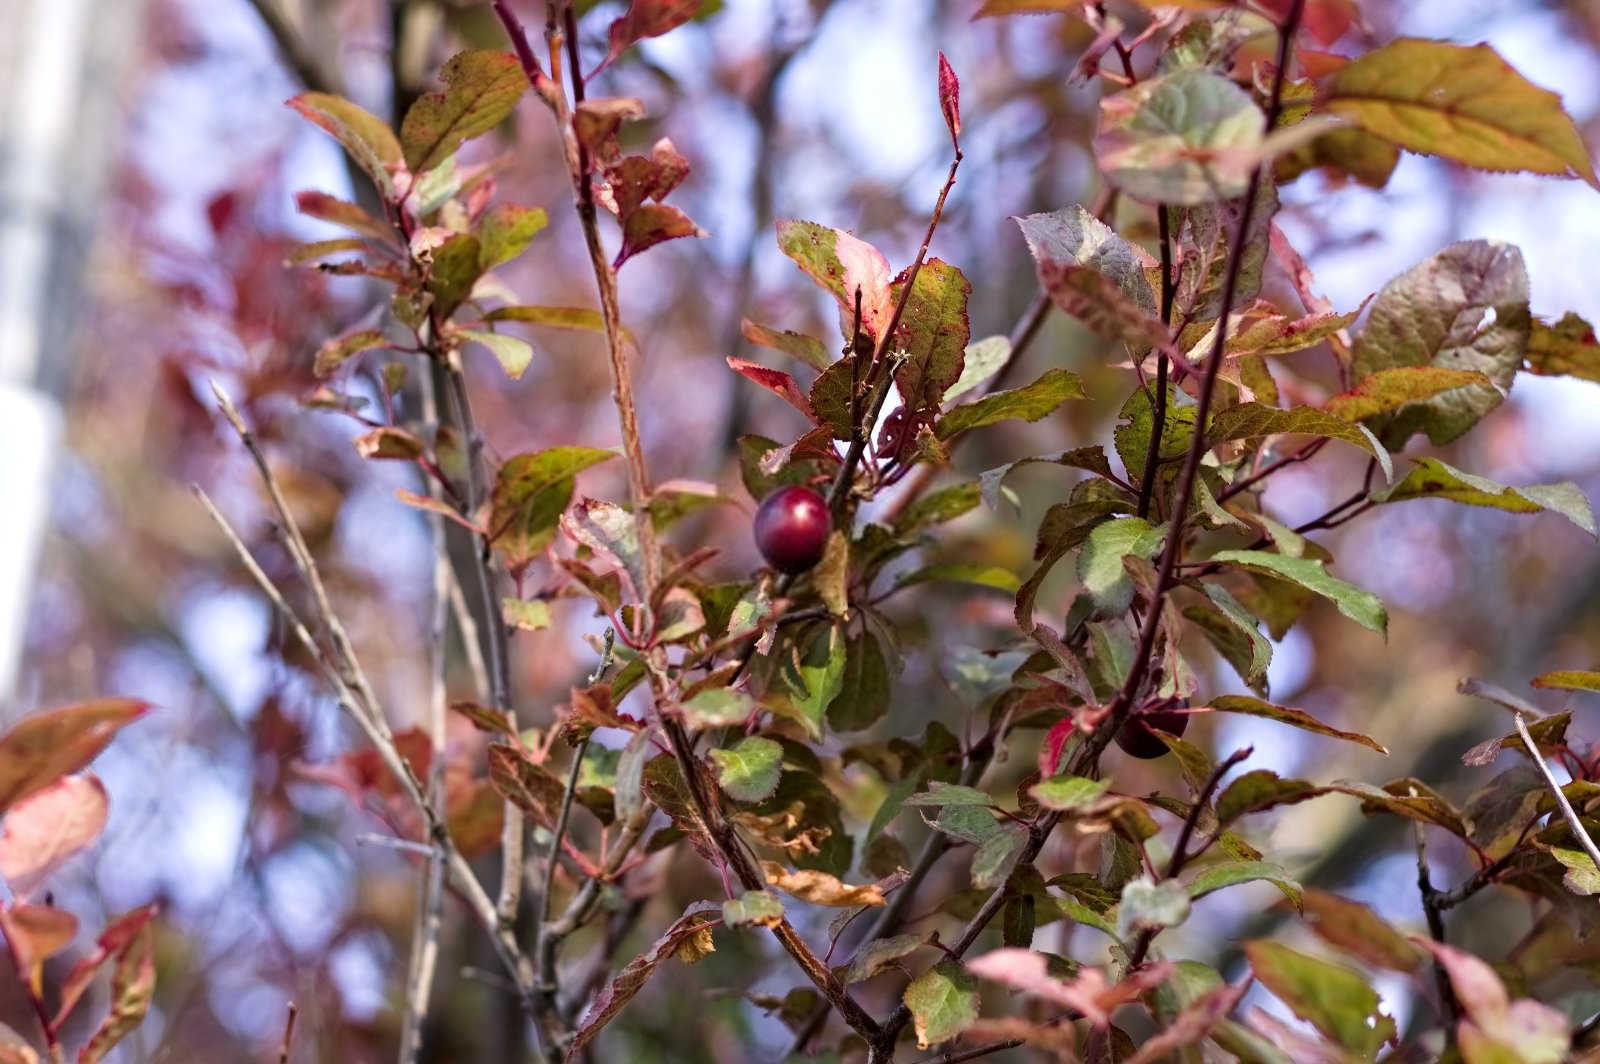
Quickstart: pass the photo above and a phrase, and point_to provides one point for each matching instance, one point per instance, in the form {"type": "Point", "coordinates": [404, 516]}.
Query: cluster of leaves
{"type": "Point", "coordinates": [54, 810]}
{"type": "Point", "coordinates": [752, 693]}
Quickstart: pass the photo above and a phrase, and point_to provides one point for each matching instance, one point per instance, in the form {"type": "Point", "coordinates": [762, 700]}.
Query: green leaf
{"type": "Point", "coordinates": [368, 139]}
{"type": "Point", "coordinates": [935, 508]}
{"type": "Point", "coordinates": [528, 615]}
{"type": "Point", "coordinates": [1147, 905]}
{"type": "Point", "coordinates": [893, 801]}
{"type": "Point", "coordinates": [864, 690]}
{"type": "Point", "coordinates": [1338, 1001]}
{"type": "Point", "coordinates": [514, 354]}
{"type": "Point", "coordinates": [1179, 138]}
{"type": "Point", "coordinates": [1295, 718]}
{"type": "Point", "coordinates": [749, 771]}
{"type": "Point", "coordinates": [797, 345]}
{"type": "Point", "coordinates": [932, 333]}
{"type": "Point", "coordinates": [991, 481]}
{"type": "Point", "coordinates": [1260, 648]}
{"type": "Point", "coordinates": [557, 317]}
{"type": "Point", "coordinates": [1582, 876]}
{"type": "Point", "coordinates": [1465, 308]}
{"type": "Point", "coordinates": [981, 360]}
{"type": "Point", "coordinates": [1390, 389]}
{"type": "Point", "coordinates": [1463, 103]}
{"type": "Point", "coordinates": [759, 907]}
{"type": "Point", "coordinates": [943, 1001]}
{"type": "Point", "coordinates": [1029, 403]}
{"type": "Point", "coordinates": [1136, 423]}
{"type": "Point", "coordinates": [718, 707]}
{"type": "Point", "coordinates": [1100, 560]}
{"type": "Point", "coordinates": [969, 823]}
{"type": "Point", "coordinates": [939, 795]}
{"type": "Point", "coordinates": [877, 955]}
{"type": "Point", "coordinates": [997, 855]}
{"type": "Point", "coordinates": [818, 679]}
{"type": "Point", "coordinates": [1062, 793]}
{"type": "Point", "coordinates": [1360, 606]}
{"type": "Point", "coordinates": [1073, 235]}
{"type": "Point", "coordinates": [1261, 789]}
{"type": "Point", "coordinates": [1569, 680]}
{"type": "Point", "coordinates": [453, 272]}
{"type": "Point", "coordinates": [1568, 347]}
{"type": "Point", "coordinates": [979, 575]}
{"type": "Point", "coordinates": [481, 89]}
{"type": "Point", "coordinates": [1253, 421]}
{"type": "Point", "coordinates": [505, 231]}
{"type": "Point", "coordinates": [1433, 479]}
{"type": "Point", "coordinates": [334, 353]}
{"type": "Point", "coordinates": [530, 493]}
{"type": "Point", "coordinates": [1231, 873]}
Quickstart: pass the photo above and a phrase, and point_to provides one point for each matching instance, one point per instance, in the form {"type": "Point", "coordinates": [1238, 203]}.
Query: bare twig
{"type": "Point", "coordinates": [430, 899]}
{"type": "Point", "coordinates": [288, 1033]}
{"type": "Point", "coordinates": [1555, 789]}
{"type": "Point", "coordinates": [1435, 916]}
{"type": "Point", "coordinates": [957, 1056]}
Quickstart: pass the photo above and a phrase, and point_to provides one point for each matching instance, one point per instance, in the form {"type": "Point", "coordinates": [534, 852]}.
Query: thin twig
{"type": "Point", "coordinates": [1435, 917]}
{"type": "Point", "coordinates": [1555, 789]}
{"type": "Point", "coordinates": [957, 1056]}
{"type": "Point", "coordinates": [1158, 425]}
{"type": "Point", "coordinates": [288, 1033]}
{"type": "Point", "coordinates": [430, 899]}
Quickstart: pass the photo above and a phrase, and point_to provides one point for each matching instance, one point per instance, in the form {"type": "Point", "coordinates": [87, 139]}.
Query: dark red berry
{"type": "Point", "coordinates": [792, 528]}
{"type": "Point", "coordinates": [1139, 741]}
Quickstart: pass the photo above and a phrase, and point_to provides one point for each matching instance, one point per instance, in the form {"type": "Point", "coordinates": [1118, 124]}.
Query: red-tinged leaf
{"type": "Point", "coordinates": [1390, 389]}
{"type": "Point", "coordinates": [530, 785]}
{"type": "Point", "coordinates": [1497, 1028]}
{"type": "Point", "coordinates": [1190, 1025]}
{"type": "Point", "coordinates": [334, 353]}
{"type": "Point", "coordinates": [48, 827]}
{"type": "Point", "coordinates": [1089, 992]}
{"type": "Point", "coordinates": [1358, 931]}
{"type": "Point", "coordinates": [698, 921]}
{"type": "Point", "coordinates": [645, 18]}
{"type": "Point", "coordinates": [1295, 718]}
{"type": "Point", "coordinates": [805, 348]}
{"type": "Point", "coordinates": [46, 746]}
{"type": "Point", "coordinates": [437, 506]}
{"type": "Point", "coordinates": [950, 101]}
{"type": "Point", "coordinates": [114, 941]}
{"type": "Point", "coordinates": [133, 985]}
{"type": "Point", "coordinates": [1096, 300]}
{"type": "Point", "coordinates": [997, 8]}
{"type": "Point", "coordinates": [638, 178]}
{"type": "Point", "coordinates": [368, 139]}
{"type": "Point", "coordinates": [1568, 347]}
{"type": "Point", "coordinates": [34, 934]}
{"type": "Point", "coordinates": [777, 382]}
{"type": "Point", "coordinates": [650, 225]}
{"type": "Point", "coordinates": [486, 719]}
{"type": "Point", "coordinates": [475, 816]}
{"type": "Point", "coordinates": [481, 88]}
{"type": "Point", "coordinates": [841, 264]}
{"type": "Point", "coordinates": [388, 442]}
{"type": "Point", "coordinates": [595, 123]}
{"type": "Point", "coordinates": [339, 212]}
{"type": "Point", "coordinates": [933, 334]}
{"type": "Point", "coordinates": [1055, 741]}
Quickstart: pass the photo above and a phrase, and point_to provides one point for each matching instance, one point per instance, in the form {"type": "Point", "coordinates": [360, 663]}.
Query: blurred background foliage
{"type": "Point", "coordinates": [824, 110]}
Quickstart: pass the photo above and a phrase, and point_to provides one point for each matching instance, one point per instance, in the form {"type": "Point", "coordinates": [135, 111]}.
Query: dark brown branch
{"type": "Point", "coordinates": [1158, 421]}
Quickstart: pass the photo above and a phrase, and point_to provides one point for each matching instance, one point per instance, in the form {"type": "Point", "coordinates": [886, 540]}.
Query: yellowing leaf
{"type": "Point", "coordinates": [1463, 103]}
{"type": "Point", "coordinates": [1433, 479]}
{"type": "Point", "coordinates": [943, 1001]}
{"type": "Point", "coordinates": [819, 888]}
